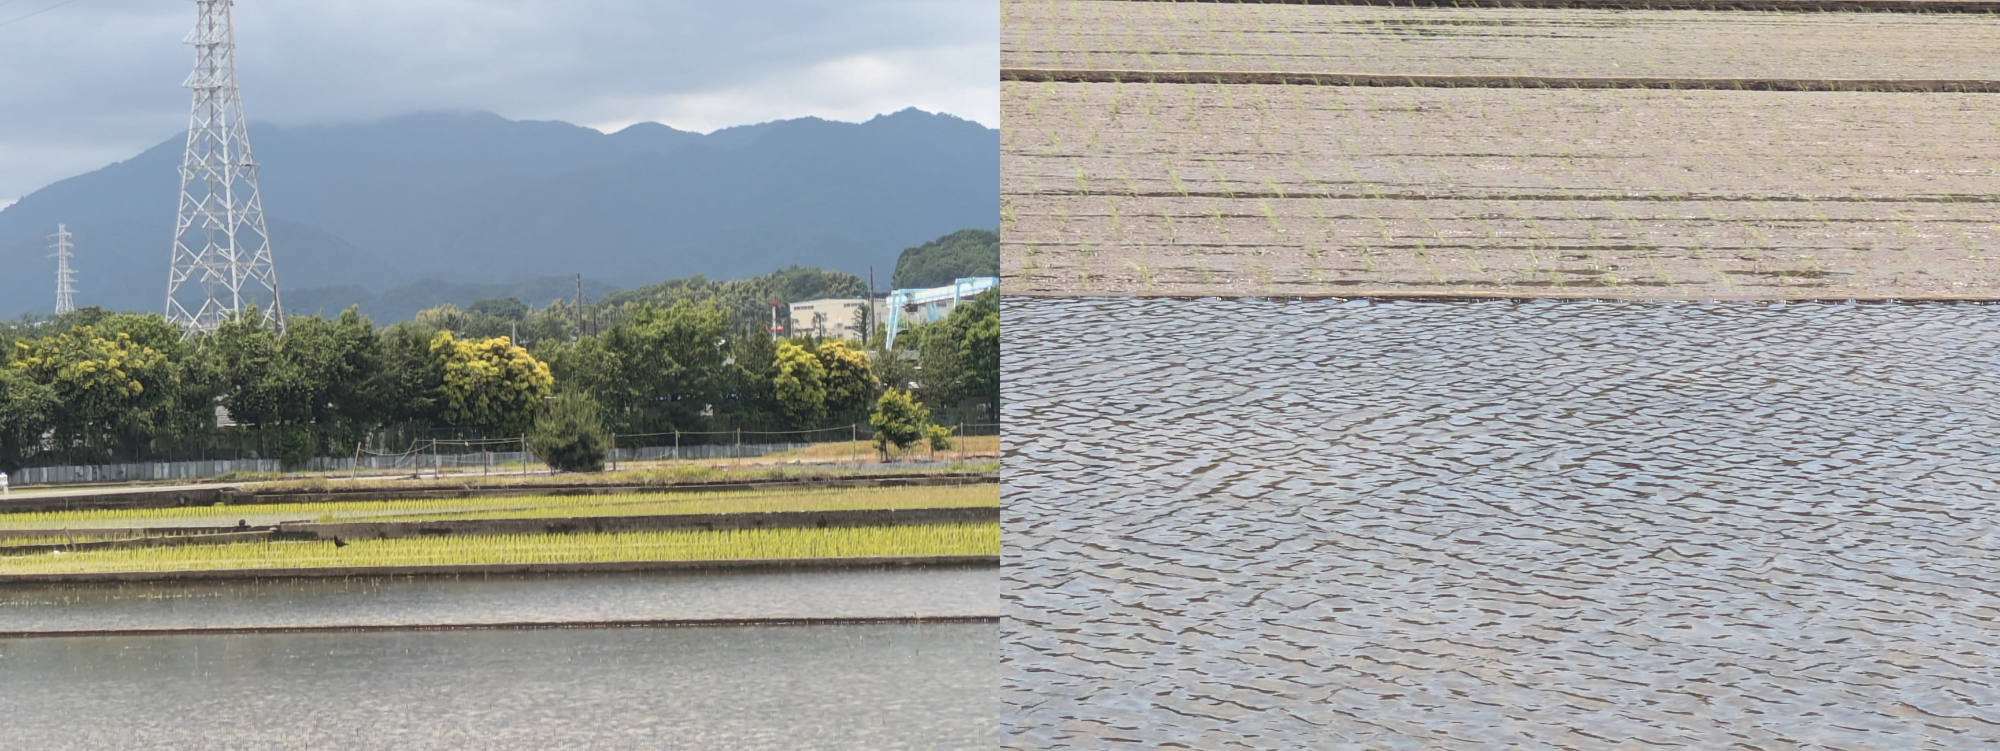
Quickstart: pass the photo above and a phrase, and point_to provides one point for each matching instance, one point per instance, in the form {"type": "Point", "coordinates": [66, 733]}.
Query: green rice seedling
{"type": "Point", "coordinates": [1145, 274]}
{"type": "Point", "coordinates": [843, 542]}
{"type": "Point", "coordinates": [625, 504]}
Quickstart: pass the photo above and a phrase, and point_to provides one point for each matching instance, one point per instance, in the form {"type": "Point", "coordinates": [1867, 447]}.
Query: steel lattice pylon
{"type": "Point", "coordinates": [65, 278]}
{"type": "Point", "coordinates": [222, 251]}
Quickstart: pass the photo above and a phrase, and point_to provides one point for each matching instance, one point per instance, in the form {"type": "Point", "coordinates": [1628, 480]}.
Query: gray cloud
{"type": "Point", "coordinates": [99, 80]}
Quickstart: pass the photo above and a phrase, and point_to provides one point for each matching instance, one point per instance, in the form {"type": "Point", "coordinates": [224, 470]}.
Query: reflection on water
{"type": "Point", "coordinates": [378, 601]}
{"type": "Point", "coordinates": [1254, 524]}
{"type": "Point", "coordinates": [824, 687]}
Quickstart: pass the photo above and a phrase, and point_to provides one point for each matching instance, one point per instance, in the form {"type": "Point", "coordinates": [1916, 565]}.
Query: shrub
{"type": "Point", "coordinates": [296, 447]}
{"type": "Point", "coordinates": [569, 435]}
{"type": "Point", "coordinates": [900, 420]}
{"type": "Point", "coordinates": [939, 436]}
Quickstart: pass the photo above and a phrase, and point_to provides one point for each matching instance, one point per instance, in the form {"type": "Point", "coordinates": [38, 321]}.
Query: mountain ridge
{"type": "Point", "coordinates": [472, 197]}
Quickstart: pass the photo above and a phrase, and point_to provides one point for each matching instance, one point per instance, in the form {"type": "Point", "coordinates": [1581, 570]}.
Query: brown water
{"type": "Point", "coordinates": [821, 687]}
{"type": "Point", "coordinates": [1254, 524]}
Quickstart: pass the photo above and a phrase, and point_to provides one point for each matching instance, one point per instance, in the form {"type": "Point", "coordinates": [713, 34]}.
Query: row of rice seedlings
{"type": "Point", "coordinates": [1203, 36]}
{"type": "Point", "coordinates": [859, 542]}
{"type": "Point", "coordinates": [79, 536]}
{"type": "Point", "coordinates": [553, 505]}
{"type": "Point", "coordinates": [639, 504]}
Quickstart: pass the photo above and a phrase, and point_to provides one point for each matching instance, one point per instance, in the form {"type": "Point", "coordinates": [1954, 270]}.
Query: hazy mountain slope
{"type": "Point", "coordinates": [472, 197]}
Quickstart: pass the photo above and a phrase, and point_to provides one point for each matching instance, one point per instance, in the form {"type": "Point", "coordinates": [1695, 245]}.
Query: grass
{"type": "Point", "coordinates": [651, 473]}
{"type": "Point", "coordinates": [953, 539]}
{"type": "Point", "coordinates": [534, 507]}
{"type": "Point", "coordinates": [961, 446]}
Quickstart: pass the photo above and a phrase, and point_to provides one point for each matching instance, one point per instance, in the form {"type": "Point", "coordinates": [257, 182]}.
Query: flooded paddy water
{"type": "Point", "coordinates": [823, 687]}
{"type": "Point", "coordinates": [1474, 525]}
{"type": "Point", "coordinates": [929, 592]}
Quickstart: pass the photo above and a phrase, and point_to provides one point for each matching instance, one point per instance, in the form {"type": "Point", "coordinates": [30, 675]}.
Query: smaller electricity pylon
{"type": "Point", "coordinates": [65, 278]}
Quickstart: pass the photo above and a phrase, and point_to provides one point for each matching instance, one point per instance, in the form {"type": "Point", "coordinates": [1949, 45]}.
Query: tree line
{"type": "Point", "coordinates": [94, 386]}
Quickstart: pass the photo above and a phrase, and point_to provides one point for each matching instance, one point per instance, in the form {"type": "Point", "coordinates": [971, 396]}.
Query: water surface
{"type": "Point", "coordinates": [822, 687]}
{"type": "Point", "coordinates": [1254, 524]}
{"type": "Point", "coordinates": [433, 601]}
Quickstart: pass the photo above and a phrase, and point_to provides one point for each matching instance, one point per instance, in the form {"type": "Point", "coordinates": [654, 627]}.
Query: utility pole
{"type": "Point", "coordinates": [870, 333]}
{"type": "Point", "coordinates": [221, 245]}
{"type": "Point", "coordinates": [65, 279]}
{"type": "Point", "coordinates": [579, 307]}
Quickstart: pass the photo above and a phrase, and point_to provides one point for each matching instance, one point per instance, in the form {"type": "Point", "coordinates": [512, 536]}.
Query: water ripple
{"type": "Point", "coordinates": [1592, 524]}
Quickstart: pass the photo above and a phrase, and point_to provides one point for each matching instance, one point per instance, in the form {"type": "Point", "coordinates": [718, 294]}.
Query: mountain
{"type": "Point", "coordinates": [402, 302]}
{"type": "Point", "coordinates": [960, 255]}
{"type": "Point", "coordinates": [358, 210]}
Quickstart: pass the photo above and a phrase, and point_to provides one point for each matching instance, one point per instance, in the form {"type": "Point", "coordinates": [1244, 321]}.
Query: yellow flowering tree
{"type": "Point", "coordinates": [106, 388]}
{"type": "Point", "coordinates": [850, 381]}
{"type": "Point", "coordinates": [490, 384]}
{"type": "Point", "coordinates": [800, 385]}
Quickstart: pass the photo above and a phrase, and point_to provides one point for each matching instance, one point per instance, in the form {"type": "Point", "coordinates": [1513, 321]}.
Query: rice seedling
{"type": "Point", "coordinates": [1739, 172]}
{"type": "Point", "coordinates": [858, 542]}
{"type": "Point", "coordinates": [547, 506]}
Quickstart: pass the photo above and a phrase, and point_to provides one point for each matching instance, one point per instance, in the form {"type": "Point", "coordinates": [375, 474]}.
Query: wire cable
{"type": "Point", "coordinates": [32, 15]}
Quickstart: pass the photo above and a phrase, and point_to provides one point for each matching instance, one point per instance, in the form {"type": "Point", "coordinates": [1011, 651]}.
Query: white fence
{"type": "Point", "coordinates": [418, 460]}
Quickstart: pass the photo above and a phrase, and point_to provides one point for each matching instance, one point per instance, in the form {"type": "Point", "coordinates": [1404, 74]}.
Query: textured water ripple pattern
{"type": "Point", "coordinates": [1586, 524]}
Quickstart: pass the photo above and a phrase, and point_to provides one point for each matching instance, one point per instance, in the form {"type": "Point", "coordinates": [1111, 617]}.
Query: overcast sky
{"type": "Point", "coordinates": [84, 83]}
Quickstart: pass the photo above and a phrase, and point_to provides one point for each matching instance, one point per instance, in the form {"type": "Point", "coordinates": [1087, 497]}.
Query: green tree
{"type": "Point", "coordinates": [747, 373]}
{"type": "Point", "coordinates": [568, 435]}
{"type": "Point", "coordinates": [27, 409]}
{"type": "Point", "coordinates": [941, 370]}
{"type": "Point", "coordinates": [489, 385]}
{"type": "Point", "coordinates": [446, 317]}
{"type": "Point", "coordinates": [670, 364]}
{"type": "Point", "coordinates": [341, 377]}
{"type": "Point", "coordinates": [977, 328]}
{"type": "Point", "coordinates": [799, 382]}
{"type": "Point", "coordinates": [504, 308]}
{"type": "Point", "coordinates": [257, 386]}
{"type": "Point", "coordinates": [412, 379]}
{"type": "Point", "coordinates": [592, 371]}
{"type": "Point", "coordinates": [898, 419]}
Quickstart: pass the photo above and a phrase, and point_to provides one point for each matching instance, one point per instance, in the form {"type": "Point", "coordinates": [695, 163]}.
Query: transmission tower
{"type": "Point", "coordinates": [222, 251]}
{"type": "Point", "coordinates": [65, 279]}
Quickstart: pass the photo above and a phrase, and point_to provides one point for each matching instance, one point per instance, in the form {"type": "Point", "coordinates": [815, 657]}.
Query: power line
{"type": "Point", "coordinates": [32, 15]}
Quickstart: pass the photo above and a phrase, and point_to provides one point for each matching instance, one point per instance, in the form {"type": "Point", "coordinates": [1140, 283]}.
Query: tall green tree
{"type": "Point", "coordinates": [341, 376]}
{"type": "Point", "coordinates": [257, 385]}
{"type": "Point", "coordinates": [27, 410]}
{"type": "Point", "coordinates": [670, 363]}
{"type": "Point", "coordinates": [749, 400]}
{"type": "Point", "coordinates": [976, 326]}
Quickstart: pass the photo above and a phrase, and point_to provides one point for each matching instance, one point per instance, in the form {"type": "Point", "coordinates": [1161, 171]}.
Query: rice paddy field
{"type": "Point", "coordinates": [519, 507]}
{"type": "Point", "coordinates": [863, 542]}
{"type": "Point", "coordinates": [1521, 42]}
{"type": "Point", "coordinates": [85, 526]}
{"type": "Point", "coordinates": [1498, 175]}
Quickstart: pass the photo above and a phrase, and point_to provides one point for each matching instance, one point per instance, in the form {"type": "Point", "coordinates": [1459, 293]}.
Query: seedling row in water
{"type": "Point", "coordinates": [853, 542]}
{"type": "Point", "coordinates": [534, 507]}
